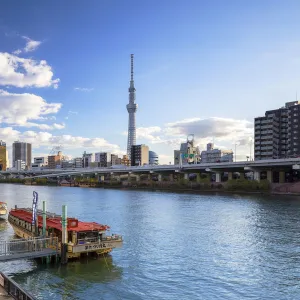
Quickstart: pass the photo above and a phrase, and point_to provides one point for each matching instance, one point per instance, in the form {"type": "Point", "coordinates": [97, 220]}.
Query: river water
{"type": "Point", "coordinates": [176, 246]}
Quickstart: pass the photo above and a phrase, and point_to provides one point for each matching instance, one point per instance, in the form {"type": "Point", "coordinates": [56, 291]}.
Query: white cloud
{"type": "Point", "coordinates": [19, 109]}
{"type": "Point", "coordinates": [224, 132]}
{"type": "Point", "coordinates": [17, 52]}
{"type": "Point", "coordinates": [68, 141]}
{"type": "Point", "coordinates": [204, 130]}
{"type": "Point", "coordinates": [44, 126]}
{"type": "Point", "coordinates": [83, 89]}
{"type": "Point", "coordinates": [31, 45]}
{"type": "Point", "coordinates": [220, 128]}
{"type": "Point", "coordinates": [23, 72]}
{"type": "Point", "coordinates": [73, 112]}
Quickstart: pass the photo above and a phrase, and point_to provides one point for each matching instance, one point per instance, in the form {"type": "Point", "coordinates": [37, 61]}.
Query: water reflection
{"type": "Point", "coordinates": [69, 280]}
{"type": "Point", "coordinates": [3, 224]}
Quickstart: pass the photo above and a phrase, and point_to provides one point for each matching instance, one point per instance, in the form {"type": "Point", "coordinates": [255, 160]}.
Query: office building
{"type": "Point", "coordinates": [3, 156]}
{"type": "Point", "coordinates": [125, 161]}
{"type": "Point", "coordinates": [78, 162]}
{"type": "Point", "coordinates": [153, 158]}
{"type": "Point", "coordinates": [277, 134]}
{"type": "Point", "coordinates": [103, 159]}
{"type": "Point", "coordinates": [139, 155]}
{"type": "Point", "coordinates": [115, 160]}
{"type": "Point", "coordinates": [212, 155]}
{"type": "Point", "coordinates": [54, 161]}
{"type": "Point", "coordinates": [21, 151]}
{"type": "Point", "coordinates": [88, 159]}
{"type": "Point", "coordinates": [188, 153]}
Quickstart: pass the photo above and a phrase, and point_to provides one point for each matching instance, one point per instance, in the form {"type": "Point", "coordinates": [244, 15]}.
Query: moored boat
{"type": "Point", "coordinates": [83, 237]}
{"type": "Point", "coordinates": [3, 209]}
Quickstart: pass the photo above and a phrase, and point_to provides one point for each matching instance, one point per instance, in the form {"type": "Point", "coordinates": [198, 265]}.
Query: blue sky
{"type": "Point", "coordinates": [202, 67]}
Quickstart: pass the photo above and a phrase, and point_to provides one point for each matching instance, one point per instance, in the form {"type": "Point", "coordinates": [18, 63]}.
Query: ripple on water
{"type": "Point", "coordinates": [176, 246]}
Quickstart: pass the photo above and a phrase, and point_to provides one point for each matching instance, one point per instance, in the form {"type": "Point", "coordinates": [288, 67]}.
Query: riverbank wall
{"type": "Point", "coordinates": [231, 186]}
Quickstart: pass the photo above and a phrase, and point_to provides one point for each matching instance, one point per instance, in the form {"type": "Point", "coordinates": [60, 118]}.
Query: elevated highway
{"type": "Point", "coordinates": [240, 166]}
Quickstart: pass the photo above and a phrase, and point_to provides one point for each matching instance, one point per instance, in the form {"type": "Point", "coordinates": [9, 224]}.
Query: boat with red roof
{"type": "Point", "coordinates": [83, 237]}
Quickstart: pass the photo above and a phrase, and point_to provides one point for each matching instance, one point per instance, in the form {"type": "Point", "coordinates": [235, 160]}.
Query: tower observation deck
{"type": "Point", "coordinates": [131, 108]}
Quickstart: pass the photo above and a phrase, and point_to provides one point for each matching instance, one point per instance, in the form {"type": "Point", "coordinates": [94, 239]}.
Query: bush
{"type": "Point", "coordinates": [247, 185]}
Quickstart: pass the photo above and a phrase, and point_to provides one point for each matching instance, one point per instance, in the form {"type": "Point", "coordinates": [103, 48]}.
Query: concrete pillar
{"type": "Point", "coordinates": [149, 177]}
{"type": "Point", "coordinates": [171, 177]}
{"type": "Point", "coordinates": [256, 175]}
{"type": "Point", "coordinates": [129, 178]}
{"type": "Point", "coordinates": [186, 176]}
{"type": "Point", "coordinates": [138, 178]}
{"type": "Point", "coordinates": [102, 178]}
{"type": "Point", "coordinates": [281, 177]}
{"type": "Point", "coordinates": [242, 175]}
{"type": "Point", "coordinates": [218, 177]}
{"type": "Point", "coordinates": [270, 176]}
{"type": "Point", "coordinates": [159, 177]}
{"type": "Point", "coordinates": [230, 175]}
{"type": "Point", "coordinates": [198, 179]}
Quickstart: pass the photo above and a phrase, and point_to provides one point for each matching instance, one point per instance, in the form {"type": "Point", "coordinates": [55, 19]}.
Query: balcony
{"type": "Point", "coordinates": [267, 143]}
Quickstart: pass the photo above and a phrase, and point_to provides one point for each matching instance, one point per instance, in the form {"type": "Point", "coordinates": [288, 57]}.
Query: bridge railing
{"type": "Point", "coordinates": [28, 245]}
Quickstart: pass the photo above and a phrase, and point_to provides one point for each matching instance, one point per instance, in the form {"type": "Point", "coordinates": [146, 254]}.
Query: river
{"type": "Point", "coordinates": [176, 245]}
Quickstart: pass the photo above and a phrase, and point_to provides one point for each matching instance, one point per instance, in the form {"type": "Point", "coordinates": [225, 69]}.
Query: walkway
{"type": "Point", "coordinates": [28, 249]}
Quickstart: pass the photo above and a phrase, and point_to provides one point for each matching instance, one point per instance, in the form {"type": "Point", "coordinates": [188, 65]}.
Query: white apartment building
{"type": "Point", "coordinates": [19, 165]}
{"type": "Point", "coordinates": [212, 155]}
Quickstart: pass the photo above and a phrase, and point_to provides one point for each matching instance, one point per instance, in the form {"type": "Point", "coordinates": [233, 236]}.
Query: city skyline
{"type": "Point", "coordinates": [198, 72]}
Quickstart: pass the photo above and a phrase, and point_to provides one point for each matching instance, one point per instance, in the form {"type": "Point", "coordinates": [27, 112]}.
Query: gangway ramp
{"type": "Point", "coordinates": [28, 248]}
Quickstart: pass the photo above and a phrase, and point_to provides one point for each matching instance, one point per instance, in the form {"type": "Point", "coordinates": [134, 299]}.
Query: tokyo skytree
{"type": "Point", "coordinates": [131, 108]}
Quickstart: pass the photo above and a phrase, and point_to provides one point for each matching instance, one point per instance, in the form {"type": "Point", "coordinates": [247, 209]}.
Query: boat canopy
{"type": "Point", "coordinates": [55, 222]}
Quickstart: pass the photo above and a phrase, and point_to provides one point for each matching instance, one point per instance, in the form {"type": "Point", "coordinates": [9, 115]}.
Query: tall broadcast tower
{"type": "Point", "coordinates": [131, 108]}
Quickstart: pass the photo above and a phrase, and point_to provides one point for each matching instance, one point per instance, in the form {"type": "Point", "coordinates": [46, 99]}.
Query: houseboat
{"type": "Point", "coordinates": [3, 210]}
{"type": "Point", "coordinates": [84, 238]}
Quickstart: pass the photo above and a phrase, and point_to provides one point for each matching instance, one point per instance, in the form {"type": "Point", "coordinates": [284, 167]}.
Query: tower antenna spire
{"type": "Point", "coordinates": [131, 108]}
{"type": "Point", "coordinates": [132, 55]}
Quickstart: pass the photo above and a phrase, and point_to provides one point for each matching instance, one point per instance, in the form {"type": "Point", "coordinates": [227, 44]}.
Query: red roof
{"type": "Point", "coordinates": [55, 222]}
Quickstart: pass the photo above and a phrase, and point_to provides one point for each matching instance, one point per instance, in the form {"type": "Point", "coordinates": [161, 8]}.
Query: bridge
{"type": "Point", "coordinates": [28, 249]}
{"type": "Point", "coordinates": [280, 165]}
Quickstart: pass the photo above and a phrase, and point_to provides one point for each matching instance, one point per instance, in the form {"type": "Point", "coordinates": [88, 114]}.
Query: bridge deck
{"type": "Point", "coordinates": [28, 255]}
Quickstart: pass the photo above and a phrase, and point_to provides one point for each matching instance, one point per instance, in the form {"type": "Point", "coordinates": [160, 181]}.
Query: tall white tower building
{"type": "Point", "coordinates": [131, 108]}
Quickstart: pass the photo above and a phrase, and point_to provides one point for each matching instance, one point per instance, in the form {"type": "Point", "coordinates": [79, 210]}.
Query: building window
{"type": "Point", "coordinates": [295, 120]}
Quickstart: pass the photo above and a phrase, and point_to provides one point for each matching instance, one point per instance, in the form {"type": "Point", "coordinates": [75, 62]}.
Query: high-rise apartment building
{"type": "Point", "coordinates": [3, 156]}
{"type": "Point", "coordinates": [277, 134]}
{"type": "Point", "coordinates": [21, 151]}
{"type": "Point", "coordinates": [139, 155]}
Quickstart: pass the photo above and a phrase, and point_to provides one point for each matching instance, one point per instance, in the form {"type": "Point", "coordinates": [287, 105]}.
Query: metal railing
{"type": "Point", "coordinates": [28, 245]}
{"type": "Point", "coordinates": [13, 289]}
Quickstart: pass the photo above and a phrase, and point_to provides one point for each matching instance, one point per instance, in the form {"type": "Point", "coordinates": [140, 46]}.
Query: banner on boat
{"type": "Point", "coordinates": [34, 206]}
